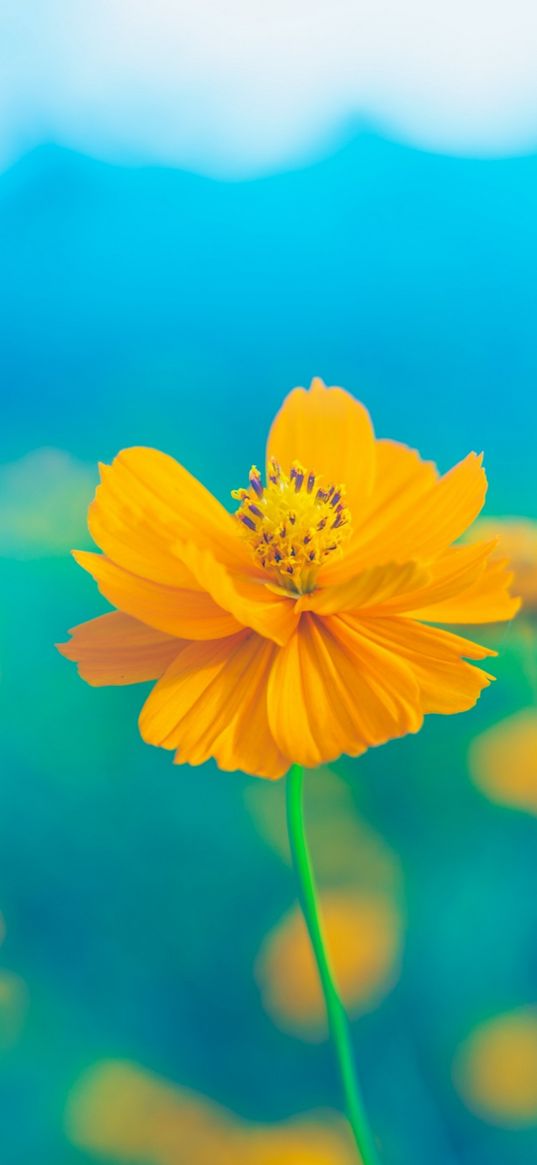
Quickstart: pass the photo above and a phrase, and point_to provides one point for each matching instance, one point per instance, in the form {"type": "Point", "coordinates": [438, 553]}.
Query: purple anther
{"type": "Point", "coordinates": [248, 522]}
{"type": "Point", "coordinates": [334, 501]}
{"type": "Point", "coordinates": [255, 510]}
{"type": "Point", "coordinates": [255, 482]}
{"type": "Point", "coordinates": [274, 477]}
{"type": "Point", "coordinates": [299, 478]}
{"type": "Point", "coordinates": [310, 482]}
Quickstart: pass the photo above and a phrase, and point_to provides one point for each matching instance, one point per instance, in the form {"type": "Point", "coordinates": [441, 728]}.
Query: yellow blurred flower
{"type": "Point", "coordinates": [43, 502]}
{"type": "Point", "coordinates": [346, 851]}
{"type": "Point", "coordinates": [363, 935]}
{"type": "Point", "coordinates": [13, 1007]}
{"type": "Point", "coordinates": [503, 761]}
{"type": "Point", "coordinates": [13, 1001]}
{"type": "Point", "coordinates": [517, 542]}
{"type": "Point", "coordinates": [119, 1110]}
{"type": "Point", "coordinates": [301, 1142]}
{"type": "Point", "coordinates": [495, 1070]}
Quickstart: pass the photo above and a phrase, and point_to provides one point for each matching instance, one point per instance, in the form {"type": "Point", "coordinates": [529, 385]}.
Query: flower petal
{"type": "Point", "coordinates": [157, 523]}
{"type": "Point", "coordinates": [447, 683]}
{"type": "Point", "coordinates": [183, 612]}
{"type": "Point", "coordinates": [212, 702]}
{"type": "Point", "coordinates": [371, 588]}
{"type": "Point", "coordinates": [450, 575]}
{"type": "Point", "coordinates": [463, 585]}
{"type": "Point", "coordinates": [251, 601]}
{"type": "Point", "coordinates": [145, 503]}
{"type": "Point", "coordinates": [421, 521]}
{"type": "Point", "coordinates": [116, 649]}
{"type": "Point", "coordinates": [402, 480]}
{"type": "Point", "coordinates": [452, 505]}
{"type": "Point", "coordinates": [486, 600]}
{"type": "Point", "coordinates": [331, 433]}
{"type": "Point", "coordinates": [332, 692]}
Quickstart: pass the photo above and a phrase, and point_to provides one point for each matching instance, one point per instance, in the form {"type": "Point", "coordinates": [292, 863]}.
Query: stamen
{"type": "Point", "coordinates": [255, 481]}
{"type": "Point", "coordinates": [297, 475]}
{"type": "Point", "coordinates": [293, 523]}
{"type": "Point", "coordinates": [274, 477]}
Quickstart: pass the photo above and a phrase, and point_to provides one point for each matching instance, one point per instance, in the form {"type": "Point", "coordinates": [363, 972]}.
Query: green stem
{"type": "Point", "coordinates": [337, 1019]}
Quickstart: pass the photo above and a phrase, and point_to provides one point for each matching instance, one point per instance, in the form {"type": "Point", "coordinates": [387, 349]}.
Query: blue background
{"type": "Point", "coordinates": [155, 307]}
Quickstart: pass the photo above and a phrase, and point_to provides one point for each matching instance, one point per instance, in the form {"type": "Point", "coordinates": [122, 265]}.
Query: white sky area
{"type": "Point", "coordinates": [235, 88]}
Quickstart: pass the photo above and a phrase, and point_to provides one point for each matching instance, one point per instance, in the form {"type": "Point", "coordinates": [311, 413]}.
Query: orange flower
{"type": "Point", "coordinates": [298, 628]}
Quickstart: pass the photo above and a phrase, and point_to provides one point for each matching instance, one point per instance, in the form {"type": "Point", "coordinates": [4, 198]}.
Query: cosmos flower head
{"type": "Point", "coordinates": [300, 627]}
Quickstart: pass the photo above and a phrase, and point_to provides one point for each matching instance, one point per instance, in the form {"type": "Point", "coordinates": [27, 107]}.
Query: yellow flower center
{"type": "Point", "coordinates": [293, 524]}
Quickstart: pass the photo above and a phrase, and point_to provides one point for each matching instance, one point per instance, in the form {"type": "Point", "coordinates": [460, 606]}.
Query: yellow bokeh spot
{"type": "Point", "coordinates": [517, 542]}
{"type": "Point", "coordinates": [43, 503]}
{"type": "Point", "coordinates": [305, 1142]}
{"type": "Point", "coordinates": [120, 1110]}
{"type": "Point", "coordinates": [363, 934]}
{"type": "Point", "coordinates": [503, 761]}
{"type": "Point", "coordinates": [346, 851]}
{"type": "Point", "coordinates": [13, 1008]}
{"type": "Point", "coordinates": [495, 1071]}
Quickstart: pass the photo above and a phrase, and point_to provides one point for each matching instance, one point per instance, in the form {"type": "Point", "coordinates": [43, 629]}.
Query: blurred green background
{"type": "Point", "coordinates": [154, 997]}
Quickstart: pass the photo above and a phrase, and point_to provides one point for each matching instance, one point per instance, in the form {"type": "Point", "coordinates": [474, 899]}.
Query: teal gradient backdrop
{"type": "Point", "coordinates": [150, 306]}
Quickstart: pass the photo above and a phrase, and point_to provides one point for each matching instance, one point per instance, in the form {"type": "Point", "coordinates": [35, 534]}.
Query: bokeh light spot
{"type": "Point", "coordinates": [364, 936]}
{"type": "Point", "coordinates": [503, 761]}
{"type": "Point", "coordinates": [495, 1070]}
